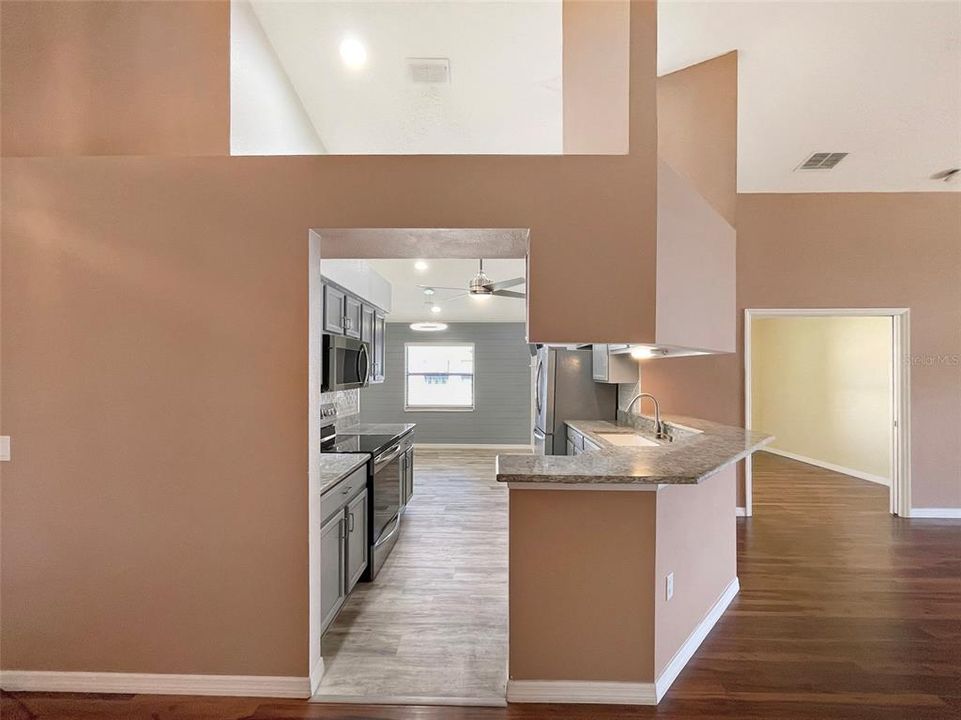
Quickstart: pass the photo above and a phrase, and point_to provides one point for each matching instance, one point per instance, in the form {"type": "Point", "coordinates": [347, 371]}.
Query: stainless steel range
{"type": "Point", "coordinates": [388, 474]}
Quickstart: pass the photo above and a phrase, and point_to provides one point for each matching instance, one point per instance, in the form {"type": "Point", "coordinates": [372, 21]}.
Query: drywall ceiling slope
{"type": "Point", "coordinates": [408, 300]}
{"type": "Point", "coordinates": [880, 80]}
{"type": "Point", "coordinates": [504, 94]}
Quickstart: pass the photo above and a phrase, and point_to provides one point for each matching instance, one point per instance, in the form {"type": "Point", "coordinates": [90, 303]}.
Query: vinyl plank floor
{"type": "Point", "coordinates": [434, 622]}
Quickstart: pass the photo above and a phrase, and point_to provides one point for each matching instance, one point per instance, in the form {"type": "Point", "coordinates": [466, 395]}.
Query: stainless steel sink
{"type": "Point", "coordinates": [627, 439]}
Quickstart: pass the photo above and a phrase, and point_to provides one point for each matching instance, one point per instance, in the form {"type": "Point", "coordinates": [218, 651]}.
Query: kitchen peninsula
{"type": "Point", "coordinates": [622, 557]}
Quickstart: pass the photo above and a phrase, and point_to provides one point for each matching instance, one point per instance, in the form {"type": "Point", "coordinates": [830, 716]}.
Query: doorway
{"type": "Point", "coordinates": [832, 385]}
{"type": "Point", "coordinates": [432, 626]}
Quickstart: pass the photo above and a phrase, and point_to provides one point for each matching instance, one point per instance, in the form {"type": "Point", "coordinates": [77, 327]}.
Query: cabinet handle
{"type": "Point", "coordinates": [350, 528]}
{"type": "Point", "coordinates": [347, 489]}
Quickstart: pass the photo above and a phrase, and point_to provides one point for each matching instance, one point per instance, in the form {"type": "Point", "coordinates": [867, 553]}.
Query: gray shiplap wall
{"type": "Point", "coordinates": [502, 387]}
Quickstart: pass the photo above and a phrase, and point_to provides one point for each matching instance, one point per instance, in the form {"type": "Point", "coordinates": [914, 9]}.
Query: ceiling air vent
{"type": "Point", "coordinates": [429, 71]}
{"type": "Point", "coordinates": [822, 161]}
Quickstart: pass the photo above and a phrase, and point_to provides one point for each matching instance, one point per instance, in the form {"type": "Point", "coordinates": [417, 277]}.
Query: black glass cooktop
{"type": "Point", "coordinates": [349, 443]}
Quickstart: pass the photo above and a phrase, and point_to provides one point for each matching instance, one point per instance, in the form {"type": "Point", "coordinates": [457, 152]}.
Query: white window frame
{"type": "Point", "coordinates": [441, 408]}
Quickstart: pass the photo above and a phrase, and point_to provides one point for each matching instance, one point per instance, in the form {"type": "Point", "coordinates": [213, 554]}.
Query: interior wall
{"type": "Point", "coordinates": [502, 387]}
{"type": "Point", "coordinates": [823, 386]}
{"type": "Point", "coordinates": [849, 250]}
{"type": "Point", "coordinates": [155, 349]}
{"type": "Point", "coordinates": [115, 78]}
{"type": "Point", "coordinates": [267, 116]}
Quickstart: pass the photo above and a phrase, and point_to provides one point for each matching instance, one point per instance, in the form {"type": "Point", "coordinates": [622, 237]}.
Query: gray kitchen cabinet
{"type": "Point", "coordinates": [380, 349]}
{"type": "Point", "coordinates": [357, 548]}
{"type": "Point", "coordinates": [334, 310]}
{"type": "Point", "coordinates": [611, 367]}
{"type": "Point", "coordinates": [353, 316]}
{"type": "Point", "coordinates": [367, 315]}
{"type": "Point", "coordinates": [333, 589]}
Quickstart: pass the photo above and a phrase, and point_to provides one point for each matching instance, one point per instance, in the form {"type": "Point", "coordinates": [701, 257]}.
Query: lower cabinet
{"type": "Point", "coordinates": [343, 543]}
{"type": "Point", "coordinates": [407, 476]}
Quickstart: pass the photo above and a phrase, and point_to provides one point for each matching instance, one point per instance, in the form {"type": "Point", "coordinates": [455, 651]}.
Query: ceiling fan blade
{"type": "Point", "coordinates": [440, 287]}
{"type": "Point", "coordinates": [503, 284]}
{"type": "Point", "coordinates": [508, 293]}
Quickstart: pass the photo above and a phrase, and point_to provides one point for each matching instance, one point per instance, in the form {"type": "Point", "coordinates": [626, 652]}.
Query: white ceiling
{"type": "Point", "coordinates": [505, 68]}
{"type": "Point", "coordinates": [407, 300]}
{"type": "Point", "coordinates": [880, 80]}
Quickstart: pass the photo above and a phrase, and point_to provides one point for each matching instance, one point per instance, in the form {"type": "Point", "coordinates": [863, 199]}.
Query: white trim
{"type": "Point", "coordinates": [316, 675]}
{"type": "Point", "coordinates": [597, 487]}
{"type": "Point", "coordinates": [900, 486]}
{"type": "Point", "coordinates": [471, 446]}
{"type": "Point", "coordinates": [409, 700]}
{"type": "Point", "coordinates": [156, 684]}
{"type": "Point", "coordinates": [860, 474]}
{"type": "Point", "coordinates": [580, 691]}
{"type": "Point", "coordinates": [936, 513]}
{"type": "Point", "coordinates": [694, 640]}
{"type": "Point", "coordinates": [740, 512]}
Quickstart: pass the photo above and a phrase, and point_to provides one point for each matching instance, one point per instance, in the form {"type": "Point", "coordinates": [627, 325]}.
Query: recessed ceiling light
{"type": "Point", "coordinates": [421, 265]}
{"type": "Point", "coordinates": [353, 53]}
{"type": "Point", "coordinates": [435, 308]}
{"type": "Point", "coordinates": [428, 326]}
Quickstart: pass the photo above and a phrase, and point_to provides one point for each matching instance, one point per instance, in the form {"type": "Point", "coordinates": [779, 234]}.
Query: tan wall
{"type": "Point", "coordinates": [582, 585]}
{"type": "Point", "coordinates": [850, 250]}
{"type": "Point", "coordinates": [823, 386]}
{"type": "Point", "coordinates": [115, 78]}
{"type": "Point", "coordinates": [697, 128]}
{"type": "Point", "coordinates": [155, 360]}
{"type": "Point", "coordinates": [596, 84]}
{"type": "Point", "coordinates": [697, 541]}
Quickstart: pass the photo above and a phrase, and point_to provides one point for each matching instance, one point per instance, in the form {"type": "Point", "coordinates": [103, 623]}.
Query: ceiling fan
{"type": "Point", "coordinates": [482, 286]}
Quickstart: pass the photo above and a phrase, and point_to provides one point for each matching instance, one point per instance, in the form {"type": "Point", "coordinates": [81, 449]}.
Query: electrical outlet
{"type": "Point", "coordinates": [4, 448]}
{"type": "Point", "coordinates": [670, 586]}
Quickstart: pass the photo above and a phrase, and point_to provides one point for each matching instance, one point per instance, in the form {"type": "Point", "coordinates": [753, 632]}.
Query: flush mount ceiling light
{"type": "Point", "coordinates": [353, 53]}
{"type": "Point", "coordinates": [428, 326]}
{"type": "Point", "coordinates": [421, 265]}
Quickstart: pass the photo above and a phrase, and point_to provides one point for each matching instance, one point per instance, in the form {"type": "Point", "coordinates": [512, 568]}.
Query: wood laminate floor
{"type": "Point", "coordinates": [844, 613]}
{"type": "Point", "coordinates": [434, 622]}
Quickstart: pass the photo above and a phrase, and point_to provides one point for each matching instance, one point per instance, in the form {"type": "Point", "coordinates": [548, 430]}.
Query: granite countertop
{"type": "Point", "coordinates": [377, 428]}
{"type": "Point", "coordinates": [700, 448]}
{"type": "Point", "coordinates": [335, 466]}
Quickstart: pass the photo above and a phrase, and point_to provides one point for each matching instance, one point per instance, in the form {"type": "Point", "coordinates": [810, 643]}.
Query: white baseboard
{"type": "Point", "coordinates": [622, 693]}
{"type": "Point", "coordinates": [155, 684]}
{"type": "Point", "coordinates": [936, 513]}
{"type": "Point", "coordinates": [740, 512]}
{"type": "Point", "coordinates": [830, 466]}
{"type": "Point", "coordinates": [694, 640]}
{"type": "Point", "coordinates": [472, 446]}
{"type": "Point", "coordinates": [578, 691]}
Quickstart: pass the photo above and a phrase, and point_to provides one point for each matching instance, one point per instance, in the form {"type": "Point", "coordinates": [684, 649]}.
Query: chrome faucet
{"type": "Point", "coordinates": [659, 432]}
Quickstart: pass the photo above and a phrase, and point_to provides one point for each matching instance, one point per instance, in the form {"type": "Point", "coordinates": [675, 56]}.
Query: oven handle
{"type": "Point", "coordinates": [384, 538]}
{"type": "Point", "coordinates": [380, 460]}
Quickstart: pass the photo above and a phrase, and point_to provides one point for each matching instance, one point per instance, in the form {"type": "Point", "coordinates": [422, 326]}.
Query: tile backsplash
{"type": "Point", "coordinates": [347, 403]}
{"type": "Point", "coordinates": [625, 393]}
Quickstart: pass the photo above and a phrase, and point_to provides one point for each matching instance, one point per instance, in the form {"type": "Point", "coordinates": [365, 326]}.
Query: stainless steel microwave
{"type": "Point", "coordinates": [346, 363]}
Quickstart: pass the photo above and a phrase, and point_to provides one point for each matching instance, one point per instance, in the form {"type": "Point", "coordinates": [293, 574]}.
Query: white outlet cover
{"type": "Point", "coordinates": [4, 448]}
{"type": "Point", "coordinates": [669, 590]}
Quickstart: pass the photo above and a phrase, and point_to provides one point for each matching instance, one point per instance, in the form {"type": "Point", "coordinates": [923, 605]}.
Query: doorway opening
{"type": "Point", "coordinates": [833, 386]}
{"type": "Point", "coordinates": [429, 626]}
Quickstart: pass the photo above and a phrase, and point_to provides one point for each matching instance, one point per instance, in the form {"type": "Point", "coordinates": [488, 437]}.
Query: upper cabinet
{"type": "Point", "coordinates": [334, 310]}
{"type": "Point", "coordinates": [353, 316]}
{"type": "Point", "coordinates": [347, 314]}
{"type": "Point", "coordinates": [378, 370]}
{"type": "Point", "coordinates": [611, 367]}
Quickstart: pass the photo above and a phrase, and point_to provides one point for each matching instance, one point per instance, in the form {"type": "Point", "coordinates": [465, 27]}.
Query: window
{"type": "Point", "coordinates": [439, 376]}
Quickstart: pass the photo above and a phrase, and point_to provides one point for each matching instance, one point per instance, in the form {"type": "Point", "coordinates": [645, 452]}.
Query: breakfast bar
{"type": "Point", "coordinates": [622, 557]}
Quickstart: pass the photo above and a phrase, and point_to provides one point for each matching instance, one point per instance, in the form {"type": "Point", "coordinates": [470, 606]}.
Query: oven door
{"type": "Point", "coordinates": [346, 363]}
{"type": "Point", "coordinates": [385, 508]}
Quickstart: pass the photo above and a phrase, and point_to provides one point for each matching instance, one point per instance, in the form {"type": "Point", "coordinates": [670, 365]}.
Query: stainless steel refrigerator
{"type": "Point", "coordinates": [564, 389]}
